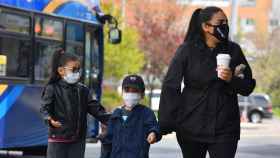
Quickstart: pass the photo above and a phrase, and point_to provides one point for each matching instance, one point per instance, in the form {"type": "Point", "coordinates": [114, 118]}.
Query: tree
{"type": "Point", "coordinates": [124, 58]}
{"type": "Point", "coordinates": [159, 27]}
{"type": "Point", "coordinates": [266, 68]}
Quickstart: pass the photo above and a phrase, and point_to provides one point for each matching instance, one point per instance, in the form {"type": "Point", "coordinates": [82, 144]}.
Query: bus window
{"type": "Point", "coordinates": [48, 28]}
{"type": "Point", "coordinates": [17, 53]}
{"type": "Point", "coordinates": [75, 39]}
{"type": "Point", "coordinates": [3, 64]}
{"type": "Point", "coordinates": [43, 57]}
{"type": "Point", "coordinates": [49, 36]}
{"type": "Point", "coordinates": [14, 23]}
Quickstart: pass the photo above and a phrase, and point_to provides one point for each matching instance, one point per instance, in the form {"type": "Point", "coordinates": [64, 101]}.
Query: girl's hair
{"type": "Point", "coordinates": [59, 58]}
{"type": "Point", "coordinates": [199, 16]}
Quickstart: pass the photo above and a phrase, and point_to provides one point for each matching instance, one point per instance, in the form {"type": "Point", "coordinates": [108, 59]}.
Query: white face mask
{"type": "Point", "coordinates": [131, 99]}
{"type": "Point", "coordinates": [71, 77]}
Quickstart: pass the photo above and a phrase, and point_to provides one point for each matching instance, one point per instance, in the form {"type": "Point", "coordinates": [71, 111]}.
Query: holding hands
{"type": "Point", "coordinates": [152, 138]}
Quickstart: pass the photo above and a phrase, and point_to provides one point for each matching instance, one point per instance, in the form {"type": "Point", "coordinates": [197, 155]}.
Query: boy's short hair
{"type": "Point", "coordinates": [134, 81]}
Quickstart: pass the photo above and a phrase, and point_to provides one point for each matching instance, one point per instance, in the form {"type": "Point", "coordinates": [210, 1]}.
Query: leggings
{"type": "Point", "coordinates": [194, 149]}
{"type": "Point", "coordinates": [66, 150]}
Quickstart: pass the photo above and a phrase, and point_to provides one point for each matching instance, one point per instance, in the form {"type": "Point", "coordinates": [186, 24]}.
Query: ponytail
{"type": "Point", "coordinates": [194, 26]}
{"type": "Point", "coordinates": [59, 58]}
{"type": "Point", "coordinates": [54, 76]}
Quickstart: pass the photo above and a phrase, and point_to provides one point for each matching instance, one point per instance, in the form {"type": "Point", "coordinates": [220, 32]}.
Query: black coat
{"type": "Point", "coordinates": [69, 104]}
{"type": "Point", "coordinates": [207, 108]}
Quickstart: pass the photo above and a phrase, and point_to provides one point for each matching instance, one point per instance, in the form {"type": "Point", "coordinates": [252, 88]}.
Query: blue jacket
{"type": "Point", "coordinates": [129, 138]}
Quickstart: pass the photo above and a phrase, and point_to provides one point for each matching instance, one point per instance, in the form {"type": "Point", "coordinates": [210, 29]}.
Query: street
{"type": "Point", "coordinates": [257, 141]}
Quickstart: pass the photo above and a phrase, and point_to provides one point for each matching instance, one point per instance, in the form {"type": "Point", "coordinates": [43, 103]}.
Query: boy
{"type": "Point", "coordinates": [132, 127]}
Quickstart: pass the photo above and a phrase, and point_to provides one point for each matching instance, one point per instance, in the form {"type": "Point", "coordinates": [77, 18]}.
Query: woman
{"type": "Point", "coordinates": [205, 115]}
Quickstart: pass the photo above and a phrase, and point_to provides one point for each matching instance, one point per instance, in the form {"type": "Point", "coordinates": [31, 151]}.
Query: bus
{"type": "Point", "coordinates": [30, 31]}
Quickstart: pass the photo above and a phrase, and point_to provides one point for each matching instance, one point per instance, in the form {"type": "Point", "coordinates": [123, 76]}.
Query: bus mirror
{"type": "Point", "coordinates": [115, 35]}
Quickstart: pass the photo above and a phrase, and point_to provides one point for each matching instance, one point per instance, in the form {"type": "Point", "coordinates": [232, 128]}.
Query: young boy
{"type": "Point", "coordinates": [133, 127]}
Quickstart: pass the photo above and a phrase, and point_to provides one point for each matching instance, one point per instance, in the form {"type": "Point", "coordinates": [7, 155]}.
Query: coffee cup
{"type": "Point", "coordinates": [223, 60]}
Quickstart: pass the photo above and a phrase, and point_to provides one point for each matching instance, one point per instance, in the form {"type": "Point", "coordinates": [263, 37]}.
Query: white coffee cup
{"type": "Point", "coordinates": [223, 60]}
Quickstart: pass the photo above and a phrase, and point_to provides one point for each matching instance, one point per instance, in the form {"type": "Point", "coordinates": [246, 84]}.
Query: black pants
{"type": "Point", "coordinates": [105, 150]}
{"type": "Point", "coordinates": [66, 150]}
{"type": "Point", "coordinates": [193, 149]}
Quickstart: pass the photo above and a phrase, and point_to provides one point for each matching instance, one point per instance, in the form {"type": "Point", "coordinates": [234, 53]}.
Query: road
{"type": "Point", "coordinates": [257, 141]}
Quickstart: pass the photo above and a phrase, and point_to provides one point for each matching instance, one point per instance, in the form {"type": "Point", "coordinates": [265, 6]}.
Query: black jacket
{"type": "Point", "coordinates": [207, 108]}
{"type": "Point", "coordinates": [70, 104]}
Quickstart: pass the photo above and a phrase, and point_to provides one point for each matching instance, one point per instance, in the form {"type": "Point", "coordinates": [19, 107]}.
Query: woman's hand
{"type": "Point", "coordinates": [224, 73]}
{"type": "Point", "coordinates": [152, 138]}
{"type": "Point", "coordinates": [54, 123]}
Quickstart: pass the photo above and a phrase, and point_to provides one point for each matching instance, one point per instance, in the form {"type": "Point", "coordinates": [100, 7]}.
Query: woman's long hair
{"type": "Point", "coordinates": [199, 16]}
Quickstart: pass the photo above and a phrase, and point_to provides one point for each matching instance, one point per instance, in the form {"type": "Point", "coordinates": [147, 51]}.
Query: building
{"type": "Point", "coordinates": [253, 15]}
{"type": "Point", "coordinates": [275, 16]}
{"type": "Point", "coordinates": [260, 16]}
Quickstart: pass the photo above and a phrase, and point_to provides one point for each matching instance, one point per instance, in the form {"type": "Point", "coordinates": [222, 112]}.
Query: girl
{"type": "Point", "coordinates": [65, 103]}
{"type": "Point", "coordinates": [205, 115]}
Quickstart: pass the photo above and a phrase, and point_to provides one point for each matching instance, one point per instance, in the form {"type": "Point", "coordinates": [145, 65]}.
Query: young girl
{"type": "Point", "coordinates": [65, 104]}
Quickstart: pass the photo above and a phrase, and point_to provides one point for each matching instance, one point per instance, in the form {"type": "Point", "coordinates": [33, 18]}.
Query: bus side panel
{"type": "Point", "coordinates": [37, 5]}
{"type": "Point", "coordinates": [68, 8]}
{"type": "Point", "coordinates": [21, 124]}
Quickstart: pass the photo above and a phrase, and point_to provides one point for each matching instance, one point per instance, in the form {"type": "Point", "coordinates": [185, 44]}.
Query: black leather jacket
{"type": "Point", "coordinates": [69, 104]}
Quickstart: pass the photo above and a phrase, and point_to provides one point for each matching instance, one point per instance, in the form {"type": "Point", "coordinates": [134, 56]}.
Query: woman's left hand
{"type": "Point", "coordinates": [152, 138]}
{"type": "Point", "coordinates": [224, 73]}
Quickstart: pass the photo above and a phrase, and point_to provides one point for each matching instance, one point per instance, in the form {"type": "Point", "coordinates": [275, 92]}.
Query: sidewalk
{"type": "Point", "coordinates": [268, 128]}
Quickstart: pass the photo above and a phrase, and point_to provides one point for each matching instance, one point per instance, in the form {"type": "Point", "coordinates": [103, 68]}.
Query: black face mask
{"type": "Point", "coordinates": [221, 32]}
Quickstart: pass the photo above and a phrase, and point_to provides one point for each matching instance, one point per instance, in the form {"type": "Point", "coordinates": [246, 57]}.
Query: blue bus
{"type": "Point", "coordinates": [30, 31]}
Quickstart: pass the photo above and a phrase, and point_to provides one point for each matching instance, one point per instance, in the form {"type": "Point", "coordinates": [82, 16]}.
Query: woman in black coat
{"type": "Point", "coordinates": [205, 114]}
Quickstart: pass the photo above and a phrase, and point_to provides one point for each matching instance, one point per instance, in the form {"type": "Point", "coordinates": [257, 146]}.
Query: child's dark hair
{"type": "Point", "coordinates": [199, 16]}
{"type": "Point", "coordinates": [60, 58]}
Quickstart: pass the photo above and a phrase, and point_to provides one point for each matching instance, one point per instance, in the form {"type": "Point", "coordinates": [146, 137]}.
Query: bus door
{"type": "Point", "coordinates": [93, 59]}
{"type": "Point", "coordinates": [92, 72]}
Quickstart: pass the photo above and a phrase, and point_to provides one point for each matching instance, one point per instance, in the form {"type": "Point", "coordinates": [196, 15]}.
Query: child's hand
{"type": "Point", "coordinates": [151, 138]}
{"type": "Point", "coordinates": [104, 131]}
{"type": "Point", "coordinates": [54, 123]}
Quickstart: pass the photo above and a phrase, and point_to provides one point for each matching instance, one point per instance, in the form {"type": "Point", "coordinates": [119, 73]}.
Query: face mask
{"type": "Point", "coordinates": [71, 77]}
{"type": "Point", "coordinates": [131, 99]}
{"type": "Point", "coordinates": [221, 32]}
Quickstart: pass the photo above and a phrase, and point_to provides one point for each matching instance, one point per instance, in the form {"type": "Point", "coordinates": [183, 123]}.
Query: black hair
{"type": "Point", "coordinates": [60, 58]}
{"type": "Point", "coordinates": [200, 16]}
